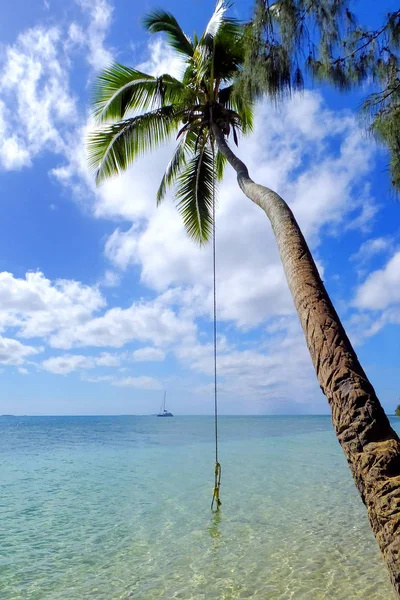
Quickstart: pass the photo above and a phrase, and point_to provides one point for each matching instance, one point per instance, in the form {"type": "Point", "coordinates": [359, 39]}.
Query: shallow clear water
{"type": "Point", "coordinates": [111, 508]}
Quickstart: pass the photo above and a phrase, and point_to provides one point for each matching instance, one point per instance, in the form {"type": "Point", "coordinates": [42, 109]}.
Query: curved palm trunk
{"type": "Point", "coordinates": [371, 446]}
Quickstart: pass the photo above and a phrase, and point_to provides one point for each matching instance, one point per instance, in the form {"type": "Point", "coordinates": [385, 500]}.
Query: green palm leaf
{"type": "Point", "coordinates": [190, 107]}
{"type": "Point", "coordinates": [204, 50]}
{"type": "Point", "coordinates": [160, 21]}
{"type": "Point", "coordinates": [229, 99]}
{"type": "Point", "coordinates": [120, 90]}
{"type": "Point", "coordinates": [176, 164]}
{"type": "Point", "coordinates": [195, 194]}
{"type": "Point", "coordinates": [112, 149]}
{"type": "Point", "coordinates": [228, 52]}
{"type": "Point", "coordinates": [220, 164]}
{"type": "Point", "coordinates": [219, 52]}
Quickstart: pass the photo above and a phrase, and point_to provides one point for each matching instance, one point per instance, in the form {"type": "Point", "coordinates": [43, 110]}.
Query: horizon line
{"type": "Point", "coordinates": [175, 415]}
{"type": "Point", "coordinates": [179, 415]}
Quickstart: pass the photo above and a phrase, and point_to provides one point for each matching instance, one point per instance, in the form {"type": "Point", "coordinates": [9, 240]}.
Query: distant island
{"type": "Point", "coordinates": [7, 415]}
{"type": "Point", "coordinates": [397, 411]}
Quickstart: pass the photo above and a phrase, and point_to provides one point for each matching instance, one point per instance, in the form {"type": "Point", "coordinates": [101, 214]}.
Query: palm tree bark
{"type": "Point", "coordinates": [371, 446]}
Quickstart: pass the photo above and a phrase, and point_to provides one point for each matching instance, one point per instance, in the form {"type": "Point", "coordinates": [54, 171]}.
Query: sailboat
{"type": "Point", "coordinates": [163, 411]}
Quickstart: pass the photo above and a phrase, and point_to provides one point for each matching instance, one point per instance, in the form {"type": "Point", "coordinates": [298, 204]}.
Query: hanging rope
{"type": "Point", "coordinates": [217, 474]}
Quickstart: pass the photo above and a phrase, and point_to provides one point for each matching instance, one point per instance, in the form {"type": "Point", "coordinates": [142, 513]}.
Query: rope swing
{"type": "Point", "coordinates": [217, 473]}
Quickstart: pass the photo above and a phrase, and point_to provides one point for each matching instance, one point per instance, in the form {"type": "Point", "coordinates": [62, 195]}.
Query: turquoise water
{"type": "Point", "coordinates": [111, 508]}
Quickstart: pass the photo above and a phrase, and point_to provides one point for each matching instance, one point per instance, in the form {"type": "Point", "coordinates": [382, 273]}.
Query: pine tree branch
{"type": "Point", "coordinates": [371, 38]}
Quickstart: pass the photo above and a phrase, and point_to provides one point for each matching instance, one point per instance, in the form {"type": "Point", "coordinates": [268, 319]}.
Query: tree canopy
{"type": "Point", "coordinates": [136, 112]}
{"type": "Point", "coordinates": [291, 40]}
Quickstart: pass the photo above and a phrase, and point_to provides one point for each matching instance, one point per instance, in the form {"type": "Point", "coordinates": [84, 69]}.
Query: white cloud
{"type": "Point", "coordinates": [39, 307]}
{"type": "Point", "coordinates": [148, 322]}
{"type": "Point", "coordinates": [382, 288]}
{"type": "Point", "coordinates": [145, 383]}
{"type": "Point", "coordinates": [62, 365]}
{"type": "Point", "coordinates": [13, 155]}
{"type": "Point", "coordinates": [265, 373]}
{"type": "Point", "coordinates": [12, 352]}
{"type": "Point", "coordinates": [108, 360]}
{"type": "Point", "coordinates": [162, 59]}
{"type": "Point", "coordinates": [93, 36]}
{"type": "Point", "coordinates": [38, 111]}
{"type": "Point", "coordinates": [251, 282]}
{"type": "Point", "coordinates": [63, 312]}
{"type": "Point", "coordinates": [66, 319]}
{"type": "Point", "coordinates": [37, 105]}
{"type": "Point", "coordinates": [110, 279]}
{"type": "Point", "coordinates": [371, 248]}
{"type": "Point", "coordinates": [379, 300]}
{"type": "Point", "coordinates": [364, 220]}
{"type": "Point", "coordinates": [329, 189]}
{"type": "Point", "coordinates": [315, 158]}
{"type": "Point", "coordinates": [148, 354]}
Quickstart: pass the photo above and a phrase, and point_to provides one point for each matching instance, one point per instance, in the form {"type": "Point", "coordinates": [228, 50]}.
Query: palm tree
{"type": "Point", "coordinates": [137, 112]}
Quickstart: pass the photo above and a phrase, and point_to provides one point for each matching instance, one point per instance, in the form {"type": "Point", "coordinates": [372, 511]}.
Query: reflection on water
{"type": "Point", "coordinates": [214, 529]}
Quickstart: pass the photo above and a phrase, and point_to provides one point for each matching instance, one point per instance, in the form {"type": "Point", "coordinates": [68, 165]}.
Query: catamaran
{"type": "Point", "coordinates": [163, 411]}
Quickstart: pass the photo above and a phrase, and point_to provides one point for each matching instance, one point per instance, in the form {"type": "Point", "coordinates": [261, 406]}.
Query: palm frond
{"type": "Point", "coordinates": [203, 51]}
{"type": "Point", "coordinates": [216, 20]}
{"type": "Point", "coordinates": [229, 49]}
{"type": "Point", "coordinates": [191, 106]}
{"type": "Point", "coordinates": [216, 51]}
{"type": "Point", "coordinates": [112, 149]}
{"type": "Point", "coordinates": [120, 90]}
{"type": "Point", "coordinates": [160, 21]}
{"type": "Point", "coordinates": [236, 102]}
{"type": "Point", "coordinates": [187, 143]}
{"type": "Point", "coordinates": [201, 62]}
{"type": "Point", "coordinates": [195, 194]}
{"type": "Point", "coordinates": [220, 164]}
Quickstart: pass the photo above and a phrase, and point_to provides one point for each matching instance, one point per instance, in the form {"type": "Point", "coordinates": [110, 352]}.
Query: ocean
{"type": "Point", "coordinates": [118, 508]}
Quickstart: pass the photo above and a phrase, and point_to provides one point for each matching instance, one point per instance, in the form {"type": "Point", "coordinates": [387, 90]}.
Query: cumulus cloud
{"type": "Point", "coordinates": [68, 363]}
{"type": "Point", "coordinates": [266, 372]}
{"type": "Point", "coordinates": [38, 307]}
{"type": "Point", "coordinates": [148, 354]}
{"type": "Point", "coordinates": [316, 175]}
{"type": "Point", "coordinates": [62, 312]}
{"type": "Point", "coordinates": [12, 352]}
{"type": "Point", "coordinates": [381, 288]}
{"type": "Point", "coordinates": [148, 322]}
{"type": "Point", "coordinates": [106, 359]}
{"type": "Point", "coordinates": [378, 300]}
{"type": "Point", "coordinates": [62, 365]}
{"type": "Point", "coordinates": [314, 158]}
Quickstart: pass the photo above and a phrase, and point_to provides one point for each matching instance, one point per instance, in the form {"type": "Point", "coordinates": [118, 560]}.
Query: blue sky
{"type": "Point", "coordinates": [104, 302]}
